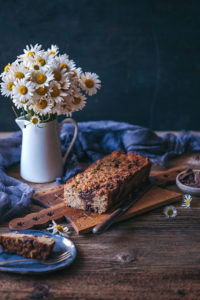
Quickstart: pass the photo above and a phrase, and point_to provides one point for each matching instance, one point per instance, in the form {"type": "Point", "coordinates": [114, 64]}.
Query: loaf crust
{"type": "Point", "coordinates": [27, 245]}
{"type": "Point", "coordinates": [107, 182]}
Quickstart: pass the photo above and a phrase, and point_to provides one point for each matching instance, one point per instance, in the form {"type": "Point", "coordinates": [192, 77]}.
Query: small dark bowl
{"type": "Point", "coordinates": [185, 188]}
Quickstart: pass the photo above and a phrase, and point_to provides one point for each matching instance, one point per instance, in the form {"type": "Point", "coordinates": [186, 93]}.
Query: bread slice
{"type": "Point", "coordinates": [107, 182]}
{"type": "Point", "coordinates": [27, 245]}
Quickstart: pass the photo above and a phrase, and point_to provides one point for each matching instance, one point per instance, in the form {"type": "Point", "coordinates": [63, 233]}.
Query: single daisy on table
{"type": "Point", "coordinates": [58, 229]}
{"type": "Point", "coordinates": [170, 211]}
{"type": "Point", "coordinates": [90, 83]}
{"type": "Point", "coordinates": [186, 201]}
{"type": "Point", "coordinates": [23, 89]}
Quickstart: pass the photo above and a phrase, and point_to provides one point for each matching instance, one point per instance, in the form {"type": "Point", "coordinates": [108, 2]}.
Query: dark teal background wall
{"type": "Point", "coordinates": [147, 54]}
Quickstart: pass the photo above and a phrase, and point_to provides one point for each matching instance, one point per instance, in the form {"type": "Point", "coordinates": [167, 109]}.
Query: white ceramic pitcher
{"type": "Point", "coordinates": [41, 159]}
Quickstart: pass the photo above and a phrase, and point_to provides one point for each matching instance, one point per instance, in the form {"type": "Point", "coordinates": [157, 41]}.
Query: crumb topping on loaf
{"type": "Point", "coordinates": [103, 178]}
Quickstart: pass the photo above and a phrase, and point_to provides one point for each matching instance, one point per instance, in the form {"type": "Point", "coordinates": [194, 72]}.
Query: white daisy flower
{"type": "Point", "coordinates": [41, 62]}
{"type": "Point", "coordinates": [42, 78]}
{"type": "Point", "coordinates": [45, 83]}
{"type": "Point", "coordinates": [78, 102]}
{"type": "Point", "coordinates": [58, 229]}
{"type": "Point", "coordinates": [61, 76]}
{"type": "Point", "coordinates": [63, 108]}
{"type": "Point", "coordinates": [44, 59]}
{"type": "Point", "coordinates": [90, 83]}
{"type": "Point", "coordinates": [29, 53]}
{"type": "Point", "coordinates": [194, 160]}
{"type": "Point", "coordinates": [65, 63]}
{"type": "Point", "coordinates": [170, 211]}
{"type": "Point", "coordinates": [76, 72]}
{"type": "Point", "coordinates": [54, 50]}
{"type": "Point", "coordinates": [186, 201]}
{"type": "Point", "coordinates": [18, 70]}
{"type": "Point", "coordinates": [21, 103]}
{"type": "Point", "coordinates": [23, 89]}
{"type": "Point", "coordinates": [56, 93]}
{"type": "Point", "coordinates": [6, 70]}
{"type": "Point", "coordinates": [65, 81]}
{"type": "Point", "coordinates": [41, 91]}
{"type": "Point", "coordinates": [42, 106]}
{"type": "Point", "coordinates": [7, 86]}
{"type": "Point", "coordinates": [35, 120]}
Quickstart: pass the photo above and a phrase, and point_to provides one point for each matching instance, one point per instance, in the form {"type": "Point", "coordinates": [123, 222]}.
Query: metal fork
{"type": "Point", "coordinates": [52, 261]}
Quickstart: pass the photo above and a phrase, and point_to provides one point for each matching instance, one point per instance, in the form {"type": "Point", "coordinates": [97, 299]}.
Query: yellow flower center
{"type": "Point", "coordinates": [41, 61]}
{"type": "Point", "coordinates": [64, 66]}
{"type": "Point", "coordinates": [41, 90]}
{"type": "Point", "coordinates": [23, 102]}
{"type": "Point", "coordinates": [170, 212]}
{"type": "Point", "coordinates": [30, 53]}
{"type": "Point", "coordinates": [19, 75]}
{"type": "Point", "coordinates": [187, 202]}
{"type": "Point", "coordinates": [74, 73]}
{"type": "Point", "coordinates": [52, 52]}
{"type": "Point", "coordinates": [55, 92]}
{"type": "Point", "coordinates": [34, 120]}
{"type": "Point", "coordinates": [36, 67]}
{"type": "Point", "coordinates": [42, 104]}
{"type": "Point", "coordinates": [6, 69]}
{"type": "Point", "coordinates": [40, 78]}
{"type": "Point", "coordinates": [23, 90]}
{"type": "Point", "coordinates": [76, 101]}
{"type": "Point", "coordinates": [89, 83]}
{"type": "Point", "coordinates": [57, 75]}
{"type": "Point", "coordinates": [10, 86]}
{"type": "Point", "coordinates": [59, 228]}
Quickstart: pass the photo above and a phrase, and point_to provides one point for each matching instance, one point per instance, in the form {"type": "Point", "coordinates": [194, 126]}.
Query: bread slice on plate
{"type": "Point", "coordinates": [27, 245]}
{"type": "Point", "coordinates": [107, 182]}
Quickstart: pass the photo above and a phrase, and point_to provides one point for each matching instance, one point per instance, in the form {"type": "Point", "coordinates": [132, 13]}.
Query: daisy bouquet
{"type": "Point", "coordinates": [45, 84]}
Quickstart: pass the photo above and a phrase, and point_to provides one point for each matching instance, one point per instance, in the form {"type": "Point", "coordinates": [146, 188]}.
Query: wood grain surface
{"type": "Point", "coordinates": [148, 257]}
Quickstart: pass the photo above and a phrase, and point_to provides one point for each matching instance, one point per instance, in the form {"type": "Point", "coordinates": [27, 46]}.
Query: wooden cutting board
{"type": "Point", "coordinates": [84, 221]}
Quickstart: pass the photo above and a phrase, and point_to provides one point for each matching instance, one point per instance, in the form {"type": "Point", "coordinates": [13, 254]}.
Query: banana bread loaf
{"type": "Point", "coordinates": [107, 182]}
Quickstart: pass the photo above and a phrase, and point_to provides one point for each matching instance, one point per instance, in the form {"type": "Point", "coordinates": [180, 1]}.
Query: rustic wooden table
{"type": "Point", "coordinates": [146, 257]}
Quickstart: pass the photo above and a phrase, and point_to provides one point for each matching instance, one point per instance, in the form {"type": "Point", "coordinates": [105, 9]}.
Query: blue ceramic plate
{"type": "Point", "coordinates": [33, 267]}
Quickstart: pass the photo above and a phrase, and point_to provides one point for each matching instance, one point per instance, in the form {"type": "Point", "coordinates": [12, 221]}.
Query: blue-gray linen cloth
{"type": "Point", "coordinates": [95, 140]}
